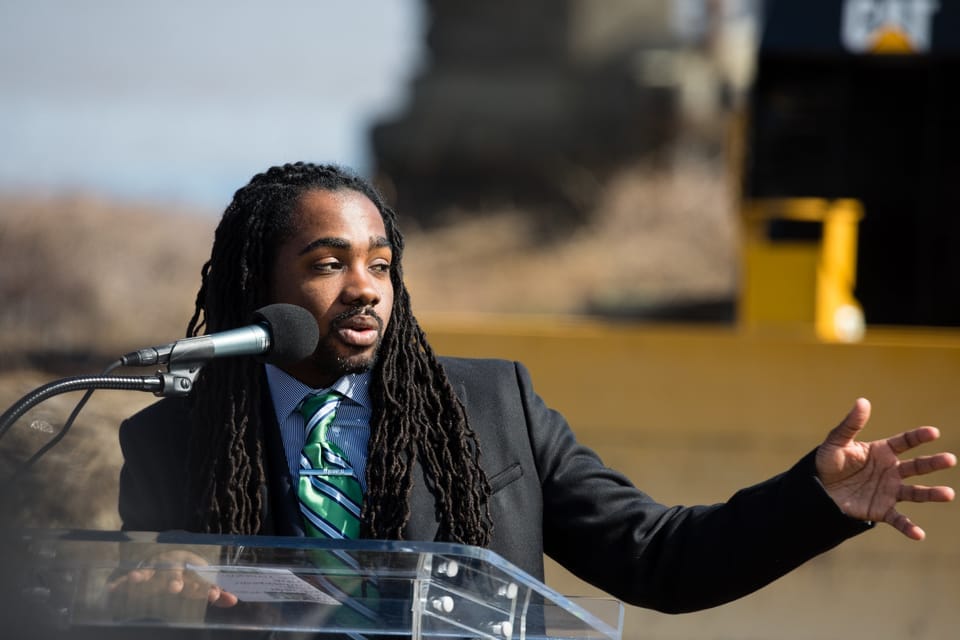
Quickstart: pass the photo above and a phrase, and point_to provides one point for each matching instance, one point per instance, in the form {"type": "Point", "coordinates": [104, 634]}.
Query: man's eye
{"type": "Point", "coordinates": [381, 267]}
{"type": "Point", "coordinates": [326, 267]}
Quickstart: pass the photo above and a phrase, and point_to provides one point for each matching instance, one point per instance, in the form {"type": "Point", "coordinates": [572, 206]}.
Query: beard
{"type": "Point", "coordinates": [331, 359]}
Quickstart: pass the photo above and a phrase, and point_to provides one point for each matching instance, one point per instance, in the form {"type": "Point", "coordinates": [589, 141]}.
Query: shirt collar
{"type": "Point", "coordinates": [287, 391]}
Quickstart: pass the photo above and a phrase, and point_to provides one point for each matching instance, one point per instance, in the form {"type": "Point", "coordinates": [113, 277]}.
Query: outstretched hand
{"type": "Point", "coordinates": [865, 479]}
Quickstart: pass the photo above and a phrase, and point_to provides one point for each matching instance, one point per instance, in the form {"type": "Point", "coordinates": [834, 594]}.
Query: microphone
{"type": "Point", "coordinates": [280, 334]}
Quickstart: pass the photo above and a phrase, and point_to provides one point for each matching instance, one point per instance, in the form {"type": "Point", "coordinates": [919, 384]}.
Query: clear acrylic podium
{"type": "Point", "coordinates": [78, 581]}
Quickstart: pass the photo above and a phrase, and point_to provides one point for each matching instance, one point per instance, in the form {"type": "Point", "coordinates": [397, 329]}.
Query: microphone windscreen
{"type": "Point", "coordinates": [293, 333]}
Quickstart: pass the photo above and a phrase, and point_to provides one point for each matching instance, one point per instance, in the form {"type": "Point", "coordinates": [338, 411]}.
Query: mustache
{"type": "Point", "coordinates": [357, 311]}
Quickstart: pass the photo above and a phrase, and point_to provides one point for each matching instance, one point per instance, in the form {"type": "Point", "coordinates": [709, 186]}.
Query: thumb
{"type": "Point", "coordinates": [845, 432]}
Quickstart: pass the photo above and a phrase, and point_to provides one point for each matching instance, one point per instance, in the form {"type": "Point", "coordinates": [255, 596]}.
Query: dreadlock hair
{"type": "Point", "coordinates": [416, 414]}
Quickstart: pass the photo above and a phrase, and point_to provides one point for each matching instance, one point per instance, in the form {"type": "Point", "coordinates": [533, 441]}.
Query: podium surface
{"type": "Point", "coordinates": [80, 581]}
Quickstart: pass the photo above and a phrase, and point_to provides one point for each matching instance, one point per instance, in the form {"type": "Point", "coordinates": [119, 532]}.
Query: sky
{"type": "Point", "coordinates": [183, 101]}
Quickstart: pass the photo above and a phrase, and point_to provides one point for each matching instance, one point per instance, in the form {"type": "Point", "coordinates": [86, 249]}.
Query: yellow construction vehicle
{"type": "Point", "coordinates": [850, 192]}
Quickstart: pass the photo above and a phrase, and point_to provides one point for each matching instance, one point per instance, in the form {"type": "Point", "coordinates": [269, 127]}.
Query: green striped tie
{"type": "Point", "coordinates": [330, 494]}
{"type": "Point", "coordinates": [330, 501]}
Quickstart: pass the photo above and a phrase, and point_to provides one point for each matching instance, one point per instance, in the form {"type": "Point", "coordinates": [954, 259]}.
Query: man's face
{"type": "Point", "coordinates": [337, 266]}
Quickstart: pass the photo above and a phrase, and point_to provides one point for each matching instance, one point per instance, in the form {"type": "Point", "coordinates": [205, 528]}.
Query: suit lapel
{"type": "Point", "coordinates": [280, 510]}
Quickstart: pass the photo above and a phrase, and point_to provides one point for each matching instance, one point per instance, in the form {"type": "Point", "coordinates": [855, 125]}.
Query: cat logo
{"type": "Point", "coordinates": [888, 26]}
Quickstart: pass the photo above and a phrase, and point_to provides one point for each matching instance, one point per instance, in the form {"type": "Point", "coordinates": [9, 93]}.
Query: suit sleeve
{"type": "Point", "coordinates": [673, 559]}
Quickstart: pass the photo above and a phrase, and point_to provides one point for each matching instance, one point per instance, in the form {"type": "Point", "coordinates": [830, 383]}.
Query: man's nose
{"type": "Point", "coordinates": [361, 288]}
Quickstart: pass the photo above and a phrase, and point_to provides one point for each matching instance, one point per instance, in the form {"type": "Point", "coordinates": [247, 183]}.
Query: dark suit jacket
{"type": "Point", "coordinates": [550, 494]}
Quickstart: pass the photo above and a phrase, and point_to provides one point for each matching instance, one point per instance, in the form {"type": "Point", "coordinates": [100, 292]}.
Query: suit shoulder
{"type": "Point", "coordinates": [168, 416]}
{"type": "Point", "coordinates": [469, 368]}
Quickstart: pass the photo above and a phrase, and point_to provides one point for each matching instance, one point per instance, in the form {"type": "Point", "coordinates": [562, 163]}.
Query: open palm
{"type": "Point", "coordinates": [865, 479]}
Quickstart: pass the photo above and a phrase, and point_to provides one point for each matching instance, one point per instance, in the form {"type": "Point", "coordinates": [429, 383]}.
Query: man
{"type": "Point", "coordinates": [453, 449]}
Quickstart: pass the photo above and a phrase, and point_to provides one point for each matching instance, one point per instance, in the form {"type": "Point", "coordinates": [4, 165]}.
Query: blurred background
{"type": "Point", "coordinates": [743, 212]}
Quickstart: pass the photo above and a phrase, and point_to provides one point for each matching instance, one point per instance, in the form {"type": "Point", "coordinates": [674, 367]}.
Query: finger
{"type": "Point", "coordinates": [115, 584]}
{"type": "Point", "coordinates": [141, 575]}
{"type": "Point", "coordinates": [846, 432]}
{"type": "Point", "coordinates": [227, 599]}
{"type": "Point", "coordinates": [923, 465]}
{"type": "Point", "coordinates": [913, 438]}
{"type": "Point", "coordinates": [904, 525]}
{"type": "Point", "coordinates": [131, 577]}
{"type": "Point", "coordinates": [196, 590]}
{"type": "Point", "coordinates": [920, 493]}
{"type": "Point", "coordinates": [175, 581]}
{"type": "Point", "coordinates": [220, 598]}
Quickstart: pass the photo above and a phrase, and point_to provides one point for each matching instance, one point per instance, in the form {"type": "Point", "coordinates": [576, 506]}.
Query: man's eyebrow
{"type": "Point", "coordinates": [336, 243]}
{"type": "Point", "coordinates": [376, 242]}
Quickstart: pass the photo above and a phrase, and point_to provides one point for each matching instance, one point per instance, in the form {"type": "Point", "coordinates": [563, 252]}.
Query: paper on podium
{"type": "Point", "coordinates": [255, 584]}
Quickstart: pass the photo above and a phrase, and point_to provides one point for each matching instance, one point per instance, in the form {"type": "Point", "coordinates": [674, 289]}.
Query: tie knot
{"type": "Point", "coordinates": [317, 402]}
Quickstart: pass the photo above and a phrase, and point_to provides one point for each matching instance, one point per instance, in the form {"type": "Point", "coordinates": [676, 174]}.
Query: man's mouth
{"type": "Point", "coordinates": [358, 329]}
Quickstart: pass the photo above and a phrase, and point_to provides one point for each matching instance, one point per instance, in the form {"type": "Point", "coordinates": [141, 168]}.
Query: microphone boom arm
{"type": "Point", "coordinates": [78, 383]}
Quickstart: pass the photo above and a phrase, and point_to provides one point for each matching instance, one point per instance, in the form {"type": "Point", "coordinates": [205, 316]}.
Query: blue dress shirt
{"type": "Point", "coordinates": [351, 424]}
